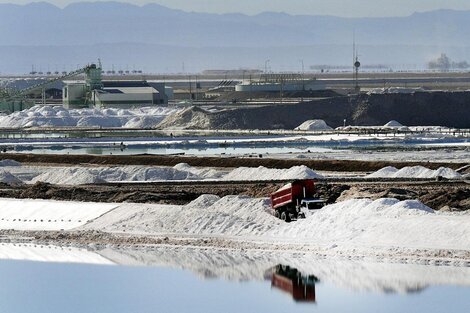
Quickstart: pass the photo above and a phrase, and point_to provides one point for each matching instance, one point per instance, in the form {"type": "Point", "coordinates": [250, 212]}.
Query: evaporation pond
{"type": "Point", "coordinates": [43, 287]}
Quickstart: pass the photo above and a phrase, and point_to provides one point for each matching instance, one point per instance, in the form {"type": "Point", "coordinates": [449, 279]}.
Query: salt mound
{"type": "Point", "coordinates": [352, 218]}
{"type": "Point", "coordinates": [189, 118]}
{"type": "Point", "coordinates": [263, 173]}
{"type": "Point", "coordinates": [69, 176]}
{"type": "Point", "coordinates": [203, 202]}
{"type": "Point", "coordinates": [8, 178]}
{"type": "Point", "coordinates": [160, 173]}
{"type": "Point", "coordinates": [314, 125]}
{"type": "Point", "coordinates": [202, 173]}
{"type": "Point", "coordinates": [415, 172]}
{"type": "Point", "coordinates": [447, 173]}
{"type": "Point", "coordinates": [230, 215]}
{"type": "Point", "coordinates": [8, 162]}
{"type": "Point", "coordinates": [416, 206]}
{"type": "Point", "coordinates": [388, 171]}
{"type": "Point", "coordinates": [90, 121]}
{"type": "Point", "coordinates": [393, 123]}
{"type": "Point", "coordinates": [143, 122]}
{"type": "Point", "coordinates": [57, 116]}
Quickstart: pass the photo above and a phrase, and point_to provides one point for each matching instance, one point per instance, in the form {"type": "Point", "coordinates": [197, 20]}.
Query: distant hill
{"type": "Point", "coordinates": [184, 36]}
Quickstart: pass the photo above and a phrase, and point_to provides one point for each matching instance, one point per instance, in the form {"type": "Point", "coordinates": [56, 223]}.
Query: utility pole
{"type": "Point", "coordinates": [356, 65]}
{"type": "Point", "coordinates": [266, 70]}
{"type": "Point", "coordinates": [190, 89]}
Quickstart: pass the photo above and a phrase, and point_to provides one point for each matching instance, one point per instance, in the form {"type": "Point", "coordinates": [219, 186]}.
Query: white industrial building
{"type": "Point", "coordinates": [280, 83]}
{"type": "Point", "coordinates": [94, 92]}
{"type": "Point", "coordinates": [115, 94]}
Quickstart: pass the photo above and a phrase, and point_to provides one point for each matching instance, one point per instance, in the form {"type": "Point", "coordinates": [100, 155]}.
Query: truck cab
{"type": "Point", "coordinates": [312, 203]}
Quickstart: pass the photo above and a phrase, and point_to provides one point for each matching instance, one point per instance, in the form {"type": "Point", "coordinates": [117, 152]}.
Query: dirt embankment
{"type": "Point", "coordinates": [420, 108]}
{"type": "Point", "coordinates": [437, 195]}
{"type": "Point", "coordinates": [223, 162]}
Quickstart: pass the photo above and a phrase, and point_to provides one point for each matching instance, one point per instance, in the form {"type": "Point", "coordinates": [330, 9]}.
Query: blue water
{"type": "Point", "coordinates": [52, 287]}
{"type": "Point", "coordinates": [138, 146]}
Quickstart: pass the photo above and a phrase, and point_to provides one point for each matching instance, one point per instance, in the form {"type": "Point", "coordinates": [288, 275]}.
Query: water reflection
{"type": "Point", "coordinates": [288, 279]}
{"type": "Point", "coordinates": [295, 273]}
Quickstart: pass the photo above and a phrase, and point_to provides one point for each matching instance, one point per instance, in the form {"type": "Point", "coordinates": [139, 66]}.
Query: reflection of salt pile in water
{"type": "Point", "coordinates": [58, 116]}
{"type": "Point", "coordinates": [314, 125]}
{"type": "Point", "coordinates": [414, 172]}
{"type": "Point", "coordinates": [8, 178]}
{"type": "Point", "coordinates": [5, 163]}
{"type": "Point", "coordinates": [263, 173]}
{"type": "Point", "coordinates": [245, 264]}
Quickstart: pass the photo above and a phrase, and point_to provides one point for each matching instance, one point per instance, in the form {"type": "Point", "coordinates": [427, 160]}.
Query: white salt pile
{"type": "Point", "coordinates": [314, 125]}
{"type": "Point", "coordinates": [202, 173]}
{"type": "Point", "coordinates": [182, 171]}
{"type": "Point", "coordinates": [263, 173]}
{"type": "Point", "coordinates": [363, 222]}
{"type": "Point", "coordinates": [202, 202]}
{"type": "Point", "coordinates": [349, 219]}
{"type": "Point", "coordinates": [393, 123]}
{"type": "Point", "coordinates": [156, 174]}
{"type": "Point", "coordinates": [397, 126]}
{"type": "Point", "coordinates": [68, 176]}
{"type": "Point", "coordinates": [85, 175]}
{"type": "Point", "coordinates": [380, 223]}
{"type": "Point", "coordinates": [230, 215]}
{"type": "Point", "coordinates": [58, 116]}
{"type": "Point", "coordinates": [8, 178]}
{"type": "Point", "coordinates": [415, 172]}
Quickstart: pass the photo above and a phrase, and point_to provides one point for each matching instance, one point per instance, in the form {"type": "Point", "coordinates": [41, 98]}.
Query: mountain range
{"type": "Point", "coordinates": [161, 39]}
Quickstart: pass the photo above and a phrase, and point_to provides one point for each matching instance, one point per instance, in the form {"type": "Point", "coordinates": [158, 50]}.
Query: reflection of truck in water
{"type": "Point", "coordinates": [290, 280]}
{"type": "Point", "coordinates": [289, 201]}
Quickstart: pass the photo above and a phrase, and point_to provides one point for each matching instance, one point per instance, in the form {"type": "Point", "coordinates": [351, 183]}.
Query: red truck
{"type": "Point", "coordinates": [289, 201]}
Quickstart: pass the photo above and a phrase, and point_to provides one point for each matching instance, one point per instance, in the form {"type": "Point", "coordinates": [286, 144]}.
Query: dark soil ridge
{"type": "Point", "coordinates": [448, 196]}
{"type": "Point", "coordinates": [158, 160]}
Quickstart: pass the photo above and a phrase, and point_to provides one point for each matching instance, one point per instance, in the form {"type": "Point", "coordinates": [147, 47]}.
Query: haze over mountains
{"type": "Point", "coordinates": [159, 39]}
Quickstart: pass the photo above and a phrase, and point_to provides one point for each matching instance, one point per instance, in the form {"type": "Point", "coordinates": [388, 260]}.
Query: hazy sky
{"type": "Point", "coordinates": [354, 8]}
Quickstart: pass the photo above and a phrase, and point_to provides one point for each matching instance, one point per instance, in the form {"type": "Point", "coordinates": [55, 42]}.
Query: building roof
{"type": "Point", "coordinates": [124, 83]}
{"type": "Point", "coordinates": [129, 90]}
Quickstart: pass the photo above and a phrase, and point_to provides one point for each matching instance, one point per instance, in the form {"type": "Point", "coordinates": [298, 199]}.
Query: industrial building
{"type": "Point", "coordinates": [115, 94]}
{"type": "Point", "coordinates": [280, 83]}
{"type": "Point", "coordinates": [94, 92]}
{"type": "Point", "coordinates": [88, 93]}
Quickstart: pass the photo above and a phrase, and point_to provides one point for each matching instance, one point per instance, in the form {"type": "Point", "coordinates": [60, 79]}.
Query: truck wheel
{"type": "Point", "coordinates": [276, 214]}
{"type": "Point", "coordinates": [285, 217]}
